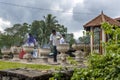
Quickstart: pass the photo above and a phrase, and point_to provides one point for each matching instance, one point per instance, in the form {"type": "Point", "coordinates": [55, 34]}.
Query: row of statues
{"type": "Point", "coordinates": [44, 52]}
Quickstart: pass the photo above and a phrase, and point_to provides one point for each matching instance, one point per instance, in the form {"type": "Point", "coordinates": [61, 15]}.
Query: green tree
{"type": "Point", "coordinates": [61, 29]}
{"type": "Point", "coordinates": [84, 39]}
{"type": "Point", "coordinates": [18, 32]}
{"type": "Point", "coordinates": [50, 21]}
{"type": "Point", "coordinates": [41, 30]}
{"type": "Point", "coordinates": [6, 40]}
{"type": "Point", "coordinates": [13, 30]}
{"type": "Point", "coordinates": [70, 39]}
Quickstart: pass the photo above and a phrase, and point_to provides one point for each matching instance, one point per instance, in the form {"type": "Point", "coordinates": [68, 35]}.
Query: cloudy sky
{"type": "Point", "coordinates": [71, 13]}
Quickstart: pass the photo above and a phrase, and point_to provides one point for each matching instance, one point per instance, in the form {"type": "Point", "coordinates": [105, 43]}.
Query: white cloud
{"type": "Point", "coordinates": [17, 14]}
{"type": "Point", "coordinates": [78, 34]}
{"type": "Point", "coordinates": [75, 12]}
{"type": "Point", "coordinates": [4, 24]}
{"type": "Point", "coordinates": [78, 1]}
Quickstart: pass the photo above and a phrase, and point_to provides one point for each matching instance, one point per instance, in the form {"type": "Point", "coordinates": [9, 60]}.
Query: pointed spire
{"type": "Point", "coordinates": [102, 15]}
{"type": "Point", "coordinates": [102, 12]}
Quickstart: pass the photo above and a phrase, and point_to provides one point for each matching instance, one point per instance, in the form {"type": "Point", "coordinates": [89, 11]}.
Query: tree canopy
{"type": "Point", "coordinates": [41, 30]}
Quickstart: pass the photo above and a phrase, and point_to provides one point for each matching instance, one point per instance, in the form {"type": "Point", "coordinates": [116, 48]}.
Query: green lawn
{"type": "Point", "coordinates": [10, 65]}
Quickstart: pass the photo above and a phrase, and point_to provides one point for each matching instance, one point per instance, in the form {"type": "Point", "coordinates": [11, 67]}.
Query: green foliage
{"type": "Point", "coordinates": [14, 35]}
{"type": "Point", "coordinates": [70, 39]}
{"type": "Point", "coordinates": [41, 29]}
{"type": "Point", "coordinates": [103, 67]}
{"type": "Point", "coordinates": [85, 39]}
{"type": "Point", "coordinates": [58, 74]}
{"type": "Point", "coordinates": [8, 40]}
{"type": "Point", "coordinates": [113, 44]}
{"type": "Point", "coordinates": [0, 54]}
{"type": "Point", "coordinates": [112, 31]}
{"type": "Point", "coordinates": [61, 73]}
{"type": "Point", "coordinates": [72, 61]}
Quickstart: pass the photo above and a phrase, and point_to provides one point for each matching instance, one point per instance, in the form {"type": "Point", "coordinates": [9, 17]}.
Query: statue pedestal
{"type": "Point", "coordinates": [28, 57]}
{"type": "Point", "coordinates": [28, 51]}
{"type": "Point", "coordinates": [5, 54]}
{"type": "Point", "coordinates": [63, 48]}
{"type": "Point", "coordinates": [63, 58]}
{"type": "Point", "coordinates": [79, 55]}
{"type": "Point", "coordinates": [16, 50]}
{"type": "Point", "coordinates": [16, 57]}
{"type": "Point", "coordinates": [44, 52]}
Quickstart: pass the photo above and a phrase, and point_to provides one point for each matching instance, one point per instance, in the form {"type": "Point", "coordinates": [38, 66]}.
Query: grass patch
{"type": "Point", "coordinates": [10, 65]}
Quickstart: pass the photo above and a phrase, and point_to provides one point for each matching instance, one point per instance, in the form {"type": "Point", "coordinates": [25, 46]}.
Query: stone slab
{"type": "Point", "coordinates": [25, 74]}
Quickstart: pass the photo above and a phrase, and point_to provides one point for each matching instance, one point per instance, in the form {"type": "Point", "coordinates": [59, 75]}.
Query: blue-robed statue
{"type": "Point", "coordinates": [31, 40]}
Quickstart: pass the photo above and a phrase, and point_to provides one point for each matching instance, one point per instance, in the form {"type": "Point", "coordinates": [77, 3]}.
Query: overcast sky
{"type": "Point", "coordinates": [73, 14]}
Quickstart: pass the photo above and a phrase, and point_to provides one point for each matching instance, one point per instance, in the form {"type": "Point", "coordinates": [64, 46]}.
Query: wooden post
{"type": "Point", "coordinates": [91, 39]}
{"type": "Point", "coordinates": [103, 39]}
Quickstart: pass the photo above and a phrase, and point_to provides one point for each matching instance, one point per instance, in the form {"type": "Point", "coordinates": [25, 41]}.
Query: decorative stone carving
{"type": "Point", "coordinates": [63, 48]}
{"type": "Point", "coordinates": [28, 50]}
{"type": "Point", "coordinates": [79, 55]}
{"type": "Point", "coordinates": [44, 52]}
{"type": "Point", "coordinates": [16, 50]}
{"type": "Point", "coordinates": [87, 50]}
{"type": "Point", "coordinates": [5, 53]}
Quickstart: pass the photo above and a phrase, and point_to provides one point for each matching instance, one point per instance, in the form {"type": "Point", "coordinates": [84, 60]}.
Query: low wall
{"type": "Point", "coordinates": [29, 74]}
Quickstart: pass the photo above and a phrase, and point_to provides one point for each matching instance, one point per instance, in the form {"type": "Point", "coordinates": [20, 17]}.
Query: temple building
{"type": "Point", "coordinates": [118, 19]}
{"type": "Point", "coordinates": [94, 26]}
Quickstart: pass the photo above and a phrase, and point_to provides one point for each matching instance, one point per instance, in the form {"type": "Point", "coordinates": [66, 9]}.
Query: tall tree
{"type": "Point", "coordinates": [18, 31]}
{"type": "Point", "coordinates": [13, 30]}
{"type": "Point", "coordinates": [40, 29]}
{"type": "Point", "coordinates": [50, 21]}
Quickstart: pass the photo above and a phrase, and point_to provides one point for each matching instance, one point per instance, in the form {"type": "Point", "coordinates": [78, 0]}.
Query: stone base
{"type": "Point", "coordinates": [80, 60]}
{"type": "Point", "coordinates": [16, 57]}
{"type": "Point", "coordinates": [28, 57]}
{"type": "Point", "coordinates": [6, 57]}
{"type": "Point", "coordinates": [24, 74]}
{"type": "Point", "coordinates": [63, 60]}
{"type": "Point", "coordinates": [30, 74]}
